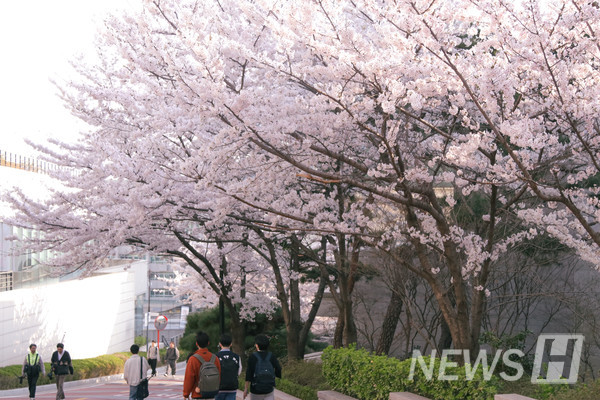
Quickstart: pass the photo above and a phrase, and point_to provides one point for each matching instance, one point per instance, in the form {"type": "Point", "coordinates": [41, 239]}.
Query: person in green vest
{"type": "Point", "coordinates": [33, 366]}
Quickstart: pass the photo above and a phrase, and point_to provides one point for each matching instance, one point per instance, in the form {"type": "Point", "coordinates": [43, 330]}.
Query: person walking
{"type": "Point", "coordinates": [135, 369]}
{"type": "Point", "coordinates": [32, 367]}
{"type": "Point", "coordinates": [61, 366]}
{"type": "Point", "coordinates": [171, 358]}
{"type": "Point", "coordinates": [203, 372]}
{"type": "Point", "coordinates": [231, 368]}
{"type": "Point", "coordinates": [153, 357]}
{"type": "Point", "coordinates": [261, 371]}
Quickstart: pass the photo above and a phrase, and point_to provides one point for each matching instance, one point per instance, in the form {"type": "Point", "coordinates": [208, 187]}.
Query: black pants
{"type": "Point", "coordinates": [32, 381]}
{"type": "Point", "coordinates": [152, 362]}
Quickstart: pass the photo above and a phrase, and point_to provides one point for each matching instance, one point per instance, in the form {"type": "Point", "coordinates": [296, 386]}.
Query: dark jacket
{"type": "Point", "coordinates": [252, 361]}
{"type": "Point", "coordinates": [229, 378]}
{"type": "Point", "coordinates": [62, 367]}
{"type": "Point", "coordinates": [172, 354]}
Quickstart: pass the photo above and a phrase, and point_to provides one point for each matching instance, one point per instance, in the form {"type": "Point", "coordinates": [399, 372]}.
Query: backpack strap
{"type": "Point", "coordinates": [37, 356]}
{"type": "Point", "coordinates": [266, 358]}
{"type": "Point", "coordinates": [202, 360]}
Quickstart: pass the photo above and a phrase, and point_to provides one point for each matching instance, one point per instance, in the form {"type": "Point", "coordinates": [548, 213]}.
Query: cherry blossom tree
{"type": "Point", "coordinates": [455, 129]}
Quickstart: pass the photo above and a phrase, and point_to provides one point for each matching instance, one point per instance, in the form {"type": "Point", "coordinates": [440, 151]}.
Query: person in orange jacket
{"type": "Point", "coordinates": [192, 370]}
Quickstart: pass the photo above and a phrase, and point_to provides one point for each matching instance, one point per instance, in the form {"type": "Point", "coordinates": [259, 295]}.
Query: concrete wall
{"type": "Point", "coordinates": [92, 316]}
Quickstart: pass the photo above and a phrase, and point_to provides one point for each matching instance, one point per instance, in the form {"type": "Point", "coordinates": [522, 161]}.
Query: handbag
{"type": "Point", "coordinates": [142, 389]}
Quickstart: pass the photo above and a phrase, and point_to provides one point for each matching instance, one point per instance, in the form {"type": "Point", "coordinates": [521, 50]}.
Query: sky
{"type": "Point", "coordinates": [37, 38]}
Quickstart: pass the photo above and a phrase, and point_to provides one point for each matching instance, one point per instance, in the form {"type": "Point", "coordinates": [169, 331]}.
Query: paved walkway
{"type": "Point", "coordinates": [107, 387]}
{"type": "Point", "coordinates": [114, 387]}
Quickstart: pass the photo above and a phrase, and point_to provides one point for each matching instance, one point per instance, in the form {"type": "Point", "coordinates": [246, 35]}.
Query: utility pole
{"type": "Point", "coordinates": [148, 313]}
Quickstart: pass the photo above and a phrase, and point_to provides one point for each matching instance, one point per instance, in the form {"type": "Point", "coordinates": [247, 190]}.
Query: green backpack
{"type": "Point", "coordinates": [209, 377]}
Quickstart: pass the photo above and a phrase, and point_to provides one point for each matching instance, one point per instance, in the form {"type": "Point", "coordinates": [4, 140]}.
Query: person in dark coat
{"type": "Point", "coordinates": [262, 353]}
{"type": "Point", "coordinates": [61, 366]}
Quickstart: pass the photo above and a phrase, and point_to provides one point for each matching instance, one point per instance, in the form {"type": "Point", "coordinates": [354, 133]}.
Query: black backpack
{"type": "Point", "coordinates": [264, 374]}
{"type": "Point", "coordinates": [230, 366]}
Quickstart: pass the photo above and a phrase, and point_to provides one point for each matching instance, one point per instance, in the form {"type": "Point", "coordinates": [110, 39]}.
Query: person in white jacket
{"type": "Point", "coordinates": [132, 373]}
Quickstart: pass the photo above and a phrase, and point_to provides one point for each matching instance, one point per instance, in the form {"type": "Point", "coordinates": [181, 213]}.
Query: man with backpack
{"type": "Point", "coordinates": [231, 368]}
{"type": "Point", "coordinates": [262, 369]}
{"type": "Point", "coordinates": [203, 372]}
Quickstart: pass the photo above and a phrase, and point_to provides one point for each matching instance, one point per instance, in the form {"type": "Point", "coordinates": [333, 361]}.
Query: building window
{"type": "Point", "coordinates": [161, 293]}
{"type": "Point", "coordinates": [6, 281]}
{"type": "Point", "coordinates": [162, 275]}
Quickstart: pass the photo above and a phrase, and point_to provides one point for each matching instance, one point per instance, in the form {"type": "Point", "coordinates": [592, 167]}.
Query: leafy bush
{"type": "Point", "coordinates": [140, 340]}
{"type": "Point", "coordinates": [360, 374]}
{"type": "Point", "coordinates": [581, 391]}
{"type": "Point", "coordinates": [305, 373]}
{"type": "Point", "coordinates": [297, 390]}
{"type": "Point", "coordinates": [82, 369]}
{"type": "Point", "coordinates": [505, 343]}
{"type": "Point", "coordinates": [207, 321]}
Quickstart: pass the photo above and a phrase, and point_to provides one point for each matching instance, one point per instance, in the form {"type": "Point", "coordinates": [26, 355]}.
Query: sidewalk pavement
{"type": "Point", "coordinates": [24, 391]}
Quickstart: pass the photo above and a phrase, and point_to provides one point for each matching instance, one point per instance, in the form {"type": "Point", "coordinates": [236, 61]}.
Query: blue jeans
{"type": "Point", "coordinates": [225, 396]}
{"type": "Point", "coordinates": [133, 393]}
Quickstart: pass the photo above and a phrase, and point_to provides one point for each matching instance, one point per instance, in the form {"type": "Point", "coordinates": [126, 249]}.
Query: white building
{"type": "Point", "coordinates": [96, 315]}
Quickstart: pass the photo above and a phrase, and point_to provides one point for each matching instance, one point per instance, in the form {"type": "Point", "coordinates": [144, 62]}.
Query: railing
{"type": "Point", "coordinates": [25, 163]}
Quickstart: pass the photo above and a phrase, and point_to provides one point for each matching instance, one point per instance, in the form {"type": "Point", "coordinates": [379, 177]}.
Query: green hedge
{"type": "Point", "coordinates": [360, 374]}
{"type": "Point", "coordinates": [296, 390]}
{"type": "Point", "coordinates": [82, 369]}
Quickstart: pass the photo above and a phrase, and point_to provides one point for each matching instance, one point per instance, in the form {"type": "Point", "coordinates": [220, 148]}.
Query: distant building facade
{"type": "Point", "coordinates": [99, 314]}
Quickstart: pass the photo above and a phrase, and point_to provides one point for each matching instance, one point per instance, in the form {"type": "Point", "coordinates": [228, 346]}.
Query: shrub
{"type": "Point", "coordinates": [305, 373]}
{"type": "Point", "coordinates": [360, 374]}
{"type": "Point", "coordinates": [140, 340]}
{"type": "Point", "coordinates": [82, 369]}
{"type": "Point", "coordinates": [582, 391]}
{"type": "Point", "coordinates": [297, 390]}
{"type": "Point", "coordinates": [207, 321]}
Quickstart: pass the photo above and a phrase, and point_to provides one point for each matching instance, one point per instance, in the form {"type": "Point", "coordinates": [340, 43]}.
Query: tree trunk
{"type": "Point", "coordinates": [318, 297]}
{"type": "Point", "coordinates": [293, 342]}
{"type": "Point", "coordinates": [445, 336]}
{"type": "Point", "coordinates": [390, 322]}
{"type": "Point", "coordinates": [238, 331]}
{"type": "Point", "coordinates": [350, 333]}
{"type": "Point", "coordinates": [338, 336]}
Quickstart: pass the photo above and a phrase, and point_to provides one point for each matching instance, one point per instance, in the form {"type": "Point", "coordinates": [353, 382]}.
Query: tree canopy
{"type": "Point", "coordinates": [455, 128]}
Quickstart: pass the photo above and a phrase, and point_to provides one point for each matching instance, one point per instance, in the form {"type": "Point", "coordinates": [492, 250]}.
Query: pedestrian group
{"type": "Point", "coordinates": [207, 375]}
{"type": "Point", "coordinates": [33, 367]}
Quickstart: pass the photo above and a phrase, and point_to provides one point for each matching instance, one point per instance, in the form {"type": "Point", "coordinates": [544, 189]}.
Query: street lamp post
{"type": "Point", "coordinates": [148, 314]}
